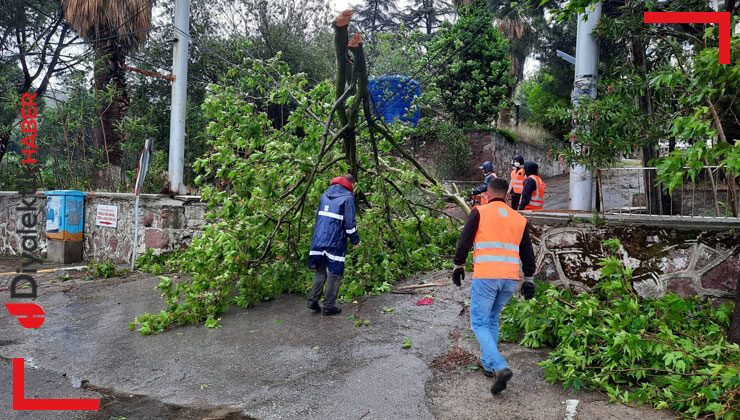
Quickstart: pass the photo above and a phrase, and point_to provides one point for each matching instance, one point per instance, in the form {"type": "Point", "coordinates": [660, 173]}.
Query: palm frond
{"type": "Point", "coordinates": [95, 19]}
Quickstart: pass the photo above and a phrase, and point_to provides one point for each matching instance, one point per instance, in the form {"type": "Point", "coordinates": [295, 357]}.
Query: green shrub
{"type": "Point", "coordinates": [473, 83]}
{"type": "Point", "coordinates": [669, 352]}
{"type": "Point", "coordinates": [103, 270]}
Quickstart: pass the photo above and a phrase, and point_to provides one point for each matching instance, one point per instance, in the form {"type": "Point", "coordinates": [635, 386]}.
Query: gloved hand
{"type": "Point", "coordinates": [458, 274]}
{"type": "Point", "coordinates": [527, 288]}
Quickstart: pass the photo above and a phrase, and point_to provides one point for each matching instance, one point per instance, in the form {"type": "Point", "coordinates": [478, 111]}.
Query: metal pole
{"type": "Point", "coordinates": [584, 84]}
{"type": "Point", "coordinates": [136, 233]}
{"type": "Point", "coordinates": [179, 97]}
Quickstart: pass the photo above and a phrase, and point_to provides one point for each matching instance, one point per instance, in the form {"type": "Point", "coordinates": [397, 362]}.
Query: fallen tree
{"type": "Point", "coordinates": [262, 185]}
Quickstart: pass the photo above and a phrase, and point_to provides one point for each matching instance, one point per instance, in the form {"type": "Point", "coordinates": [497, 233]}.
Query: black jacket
{"type": "Point", "coordinates": [484, 186]}
{"type": "Point", "coordinates": [526, 252]}
{"type": "Point", "coordinates": [530, 185]}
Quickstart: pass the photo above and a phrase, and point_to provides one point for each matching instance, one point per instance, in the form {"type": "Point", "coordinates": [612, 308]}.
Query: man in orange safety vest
{"type": "Point", "coordinates": [500, 239]}
{"type": "Point", "coordinates": [533, 193]}
{"type": "Point", "coordinates": [517, 180]}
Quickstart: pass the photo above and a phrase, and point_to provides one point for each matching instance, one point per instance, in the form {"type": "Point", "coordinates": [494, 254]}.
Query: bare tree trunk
{"type": "Point", "coordinates": [515, 71]}
{"type": "Point", "coordinates": [341, 42]}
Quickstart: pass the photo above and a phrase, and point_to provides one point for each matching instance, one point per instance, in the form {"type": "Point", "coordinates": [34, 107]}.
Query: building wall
{"type": "Point", "coordinates": [671, 257]}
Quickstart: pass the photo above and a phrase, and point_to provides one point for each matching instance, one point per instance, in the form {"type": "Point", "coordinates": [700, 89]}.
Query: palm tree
{"type": "Point", "coordinates": [115, 28]}
{"type": "Point", "coordinates": [514, 28]}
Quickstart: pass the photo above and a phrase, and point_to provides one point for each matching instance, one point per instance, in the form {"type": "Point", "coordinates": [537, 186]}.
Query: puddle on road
{"type": "Point", "coordinates": [133, 407]}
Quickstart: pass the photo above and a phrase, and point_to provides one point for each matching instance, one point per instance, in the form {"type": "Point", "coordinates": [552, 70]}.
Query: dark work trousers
{"type": "Point", "coordinates": [332, 287]}
{"type": "Point", "coordinates": [515, 200]}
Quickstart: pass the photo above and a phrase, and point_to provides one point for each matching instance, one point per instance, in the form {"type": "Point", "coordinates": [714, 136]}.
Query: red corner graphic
{"type": "Point", "coordinates": [721, 18]}
{"type": "Point", "coordinates": [21, 403]}
{"type": "Point", "coordinates": [30, 315]}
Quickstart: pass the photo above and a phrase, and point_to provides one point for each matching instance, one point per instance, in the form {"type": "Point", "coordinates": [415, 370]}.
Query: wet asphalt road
{"type": "Point", "coordinates": [273, 361]}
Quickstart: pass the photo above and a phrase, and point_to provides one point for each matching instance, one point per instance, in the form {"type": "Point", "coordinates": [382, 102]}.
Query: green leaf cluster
{"type": "Point", "coordinates": [668, 352]}
{"type": "Point", "coordinates": [103, 270]}
{"type": "Point", "coordinates": [457, 151]}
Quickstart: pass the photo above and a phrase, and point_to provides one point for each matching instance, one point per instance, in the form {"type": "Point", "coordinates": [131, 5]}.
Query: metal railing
{"type": "Point", "coordinates": [710, 194]}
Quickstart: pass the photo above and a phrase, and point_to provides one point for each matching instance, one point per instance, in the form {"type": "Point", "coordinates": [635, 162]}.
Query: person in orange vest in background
{"type": "Point", "coordinates": [478, 194]}
{"type": "Point", "coordinates": [517, 180]}
{"type": "Point", "coordinates": [533, 193]}
{"type": "Point", "coordinates": [501, 245]}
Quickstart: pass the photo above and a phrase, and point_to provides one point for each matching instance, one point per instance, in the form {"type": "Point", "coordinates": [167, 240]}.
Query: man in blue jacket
{"type": "Point", "coordinates": [488, 175]}
{"type": "Point", "coordinates": [335, 222]}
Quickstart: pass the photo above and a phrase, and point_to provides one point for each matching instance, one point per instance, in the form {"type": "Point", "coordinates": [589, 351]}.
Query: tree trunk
{"type": "Point", "coordinates": [734, 334]}
{"type": "Point", "coordinates": [341, 41]}
{"type": "Point", "coordinates": [429, 14]}
{"type": "Point", "coordinates": [4, 142]}
{"type": "Point", "coordinates": [110, 83]}
{"type": "Point", "coordinates": [516, 71]}
{"type": "Point", "coordinates": [653, 192]}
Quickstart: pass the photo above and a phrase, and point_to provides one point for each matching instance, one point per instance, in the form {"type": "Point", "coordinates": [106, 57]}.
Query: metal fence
{"type": "Point", "coordinates": [710, 194]}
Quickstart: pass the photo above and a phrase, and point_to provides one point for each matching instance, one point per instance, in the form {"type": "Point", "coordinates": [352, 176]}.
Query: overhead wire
{"type": "Point", "coordinates": [400, 90]}
{"type": "Point", "coordinates": [479, 24]}
{"type": "Point", "coordinates": [219, 56]}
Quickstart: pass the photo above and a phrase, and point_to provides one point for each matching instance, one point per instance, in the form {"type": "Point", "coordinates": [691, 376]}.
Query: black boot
{"type": "Point", "coordinates": [486, 372]}
{"type": "Point", "coordinates": [332, 310]}
{"type": "Point", "coordinates": [502, 377]}
{"type": "Point", "coordinates": [314, 306]}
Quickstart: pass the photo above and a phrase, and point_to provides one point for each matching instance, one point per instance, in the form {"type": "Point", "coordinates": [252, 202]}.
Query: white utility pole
{"type": "Point", "coordinates": [584, 84]}
{"type": "Point", "coordinates": [179, 97]}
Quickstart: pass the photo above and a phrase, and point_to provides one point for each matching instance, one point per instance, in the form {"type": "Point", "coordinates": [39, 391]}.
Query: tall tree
{"type": "Point", "coordinates": [426, 15]}
{"type": "Point", "coordinates": [33, 36]}
{"type": "Point", "coordinates": [294, 27]}
{"type": "Point", "coordinates": [474, 83]}
{"type": "Point", "coordinates": [374, 16]}
{"type": "Point", "coordinates": [115, 28]}
{"type": "Point", "coordinates": [514, 26]}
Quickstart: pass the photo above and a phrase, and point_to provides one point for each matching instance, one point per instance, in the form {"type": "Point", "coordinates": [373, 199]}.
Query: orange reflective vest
{"type": "Point", "coordinates": [496, 244]}
{"type": "Point", "coordinates": [537, 202]}
{"type": "Point", "coordinates": [517, 180]}
{"type": "Point", "coordinates": [480, 199]}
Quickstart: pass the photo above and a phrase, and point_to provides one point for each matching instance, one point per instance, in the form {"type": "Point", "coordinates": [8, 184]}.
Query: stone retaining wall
{"type": "Point", "coordinates": [663, 258]}
{"type": "Point", "coordinates": [502, 150]}
{"type": "Point", "coordinates": [165, 224]}
{"type": "Point", "coordinates": [667, 254]}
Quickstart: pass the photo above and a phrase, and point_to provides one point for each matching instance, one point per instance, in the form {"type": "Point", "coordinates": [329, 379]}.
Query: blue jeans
{"type": "Point", "coordinates": [487, 298]}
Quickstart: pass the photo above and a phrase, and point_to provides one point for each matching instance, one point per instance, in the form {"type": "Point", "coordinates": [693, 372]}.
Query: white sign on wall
{"type": "Point", "coordinates": [106, 215]}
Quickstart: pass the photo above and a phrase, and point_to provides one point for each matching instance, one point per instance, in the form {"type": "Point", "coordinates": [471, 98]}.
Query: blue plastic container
{"type": "Point", "coordinates": [65, 211]}
{"type": "Point", "coordinates": [393, 96]}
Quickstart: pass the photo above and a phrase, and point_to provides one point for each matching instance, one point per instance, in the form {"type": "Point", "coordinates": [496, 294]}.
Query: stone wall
{"type": "Point", "coordinates": [486, 145]}
{"type": "Point", "coordinates": [687, 256]}
{"type": "Point", "coordinates": [165, 224]}
{"type": "Point", "coordinates": [501, 150]}
{"type": "Point", "coordinates": [667, 258]}
{"type": "Point", "coordinates": [10, 224]}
